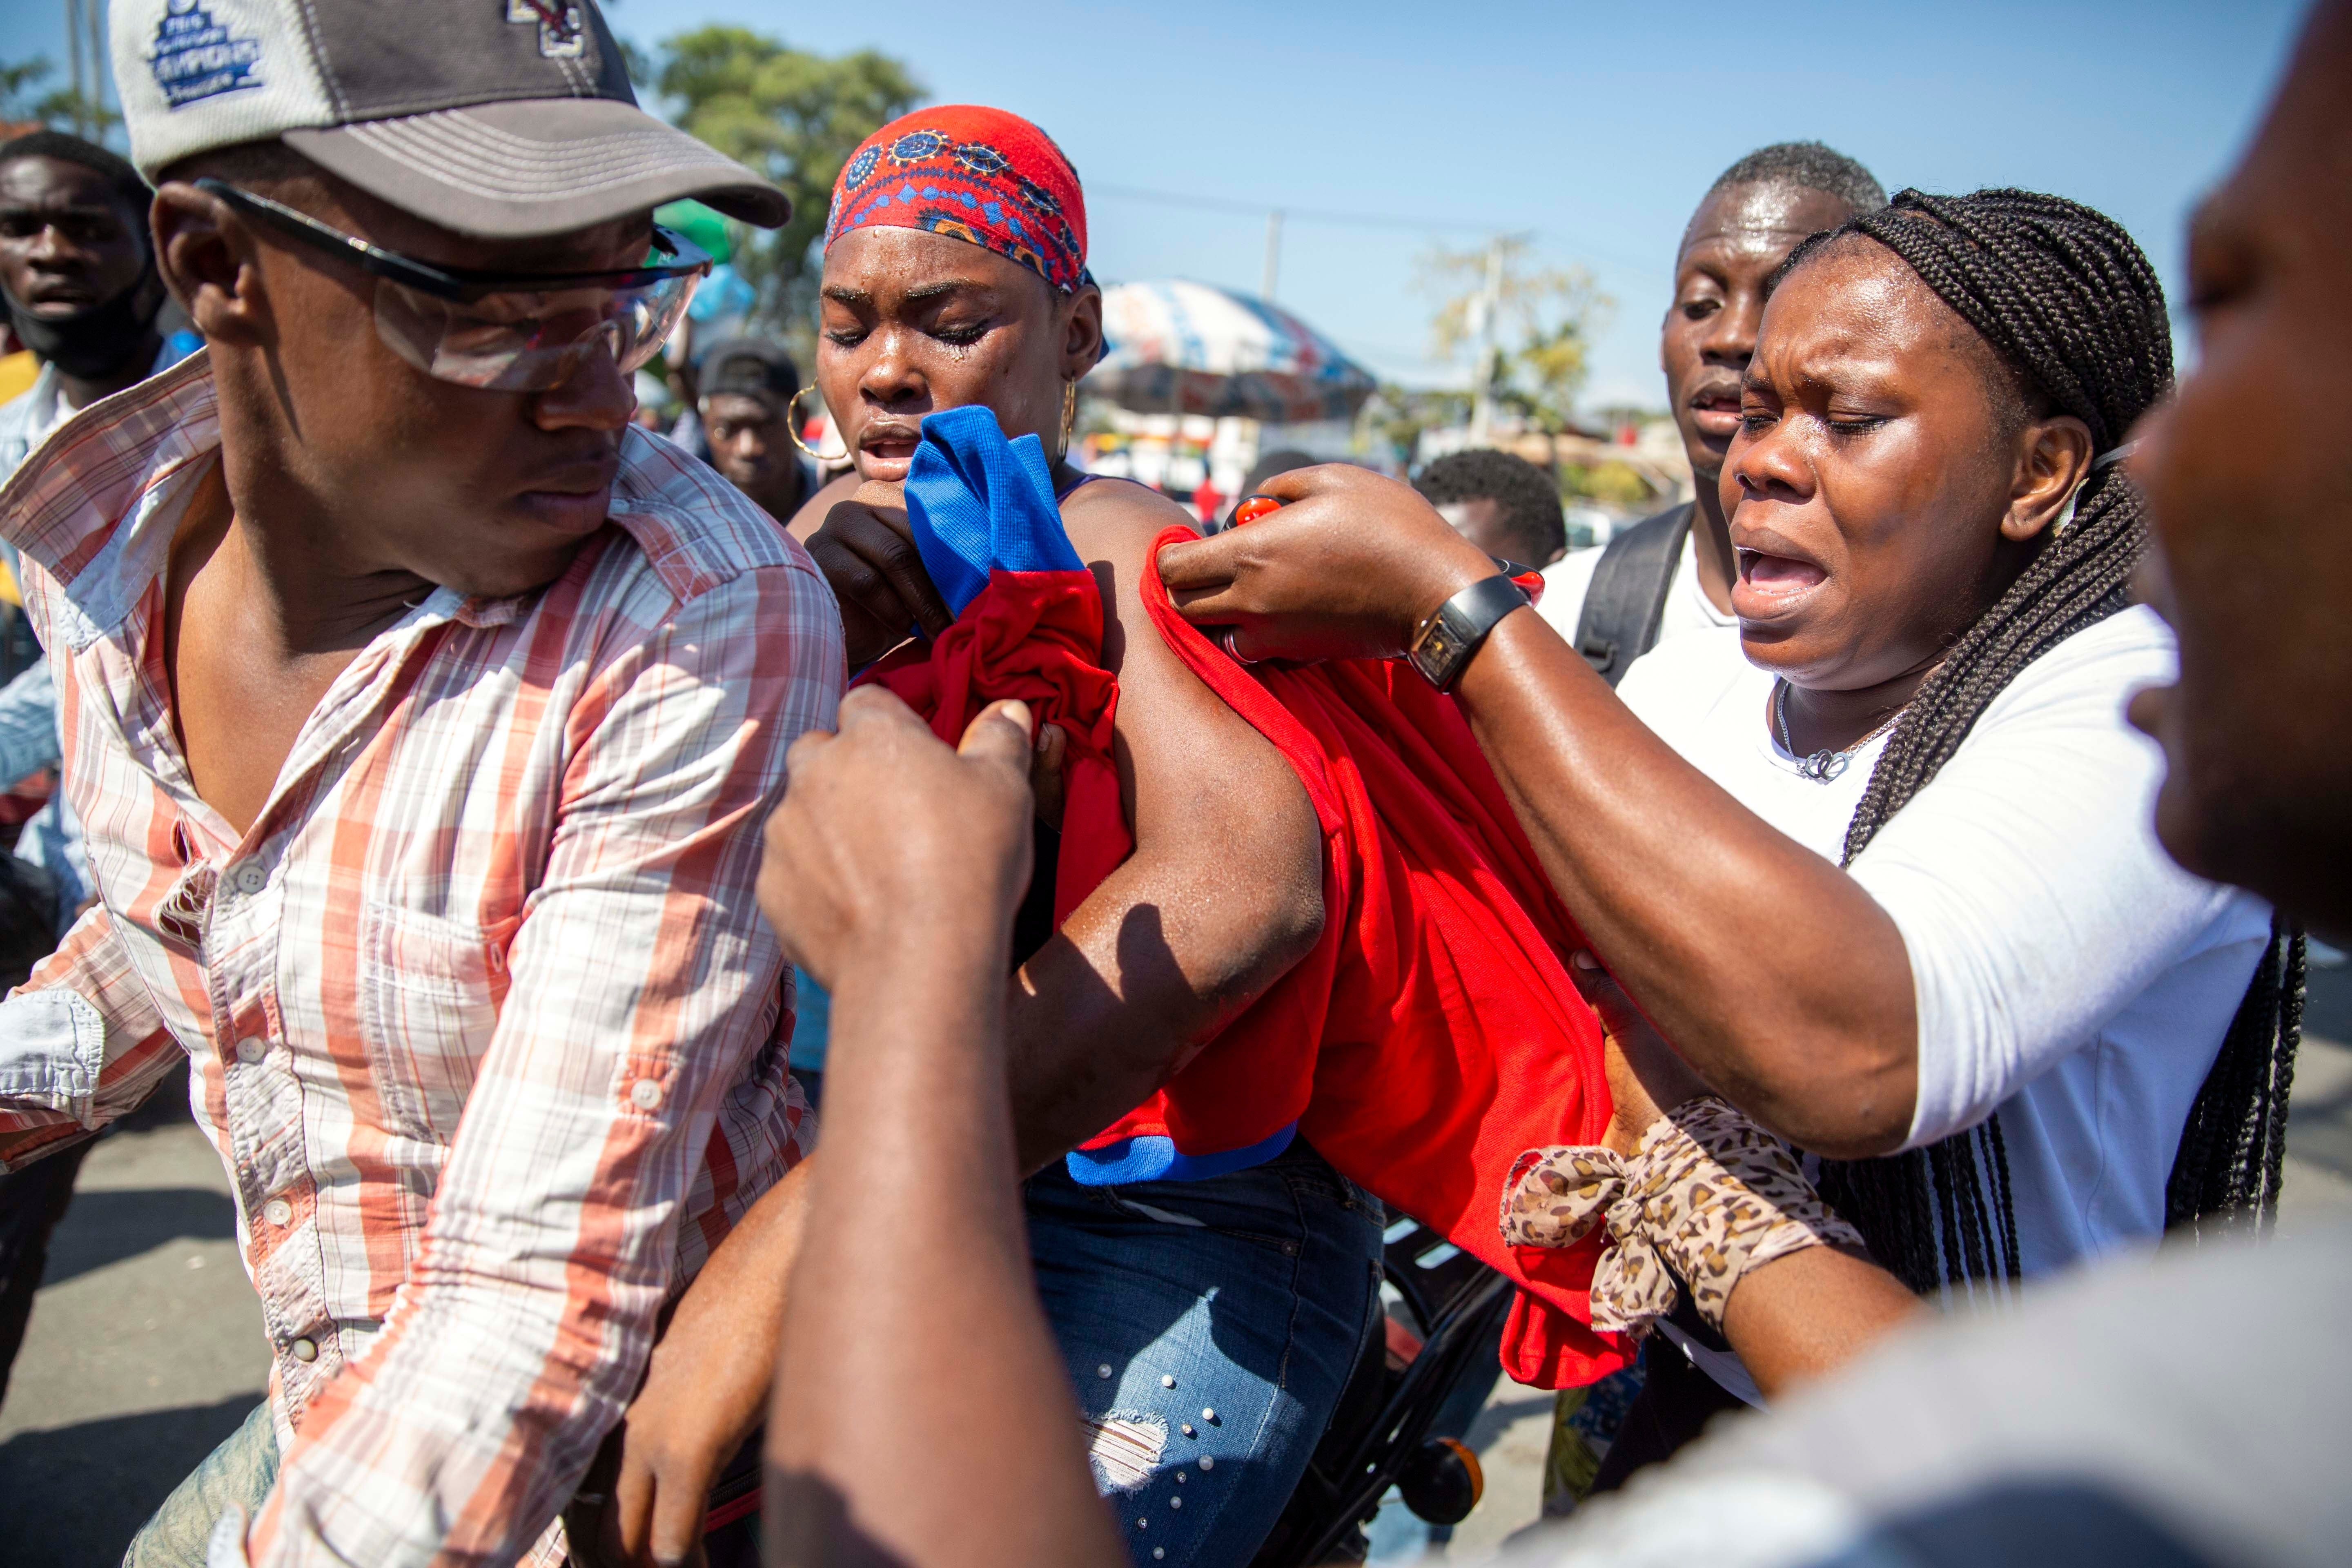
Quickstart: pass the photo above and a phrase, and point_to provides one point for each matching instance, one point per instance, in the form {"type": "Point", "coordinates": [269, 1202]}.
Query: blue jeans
{"type": "Point", "coordinates": [1209, 1327]}
{"type": "Point", "coordinates": [240, 1471]}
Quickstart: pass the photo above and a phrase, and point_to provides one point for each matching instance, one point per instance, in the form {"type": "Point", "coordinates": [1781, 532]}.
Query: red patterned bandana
{"type": "Point", "coordinates": [980, 175]}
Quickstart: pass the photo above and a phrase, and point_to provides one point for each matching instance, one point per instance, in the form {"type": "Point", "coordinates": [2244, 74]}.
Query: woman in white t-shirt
{"type": "Point", "coordinates": [1891, 872]}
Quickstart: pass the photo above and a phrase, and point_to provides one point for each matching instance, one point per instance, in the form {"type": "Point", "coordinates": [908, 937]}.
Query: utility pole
{"type": "Point", "coordinates": [73, 63]}
{"type": "Point", "coordinates": [86, 58]}
{"type": "Point", "coordinates": [1272, 255]}
{"type": "Point", "coordinates": [1487, 308]}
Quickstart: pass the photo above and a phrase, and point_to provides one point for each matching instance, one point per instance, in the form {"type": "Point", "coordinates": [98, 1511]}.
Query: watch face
{"type": "Point", "coordinates": [1439, 652]}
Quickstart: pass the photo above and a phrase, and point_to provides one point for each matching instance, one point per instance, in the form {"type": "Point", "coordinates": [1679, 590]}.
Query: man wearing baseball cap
{"type": "Point", "coordinates": [421, 713]}
{"type": "Point", "coordinates": [745, 409]}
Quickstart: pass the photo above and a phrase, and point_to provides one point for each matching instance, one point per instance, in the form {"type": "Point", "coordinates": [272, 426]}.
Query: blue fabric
{"type": "Point", "coordinates": [812, 1021]}
{"type": "Point", "coordinates": [980, 503]}
{"type": "Point", "coordinates": [240, 1472]}
{"type": "Point", "coordinates": [28, 726]}
{"type": "Point", "coordinates": [1158, 1159]}
{"type": "Point", "coordinates": [29, 743]}
{"type": "Point", "coordinates": [1253, 1294]}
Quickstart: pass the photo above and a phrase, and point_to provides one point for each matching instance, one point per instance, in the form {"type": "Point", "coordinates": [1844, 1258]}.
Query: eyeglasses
{"type": "Point", "coordinates": [504, 332]}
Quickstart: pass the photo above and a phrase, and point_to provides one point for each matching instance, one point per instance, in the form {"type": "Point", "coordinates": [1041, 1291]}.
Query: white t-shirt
{"type": "Point", "coordinates": [2066, 971]}
{"type": "Point", "coordinates": [2208, 1392]}
{"type": "Point", "coordinates": [1570, 578]}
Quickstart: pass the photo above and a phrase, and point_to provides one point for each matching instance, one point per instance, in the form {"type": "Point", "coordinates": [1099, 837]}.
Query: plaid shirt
{"type": "Point", "coordinates": [486, 1023]}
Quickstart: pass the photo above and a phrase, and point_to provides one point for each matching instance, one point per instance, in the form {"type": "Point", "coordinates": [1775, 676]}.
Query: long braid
{"type": "Point", "coordinates": [2070, 305]}
{"type": "Point", "coordinates": [2227, 1174]}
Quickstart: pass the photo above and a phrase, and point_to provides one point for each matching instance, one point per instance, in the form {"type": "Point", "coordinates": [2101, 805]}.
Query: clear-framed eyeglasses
{"type": "Point", "coordinates": [503, 331]}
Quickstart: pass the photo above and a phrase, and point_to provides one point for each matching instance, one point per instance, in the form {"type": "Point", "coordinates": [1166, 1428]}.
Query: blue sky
{"type": "Point", "coordinates": [1596, 126]}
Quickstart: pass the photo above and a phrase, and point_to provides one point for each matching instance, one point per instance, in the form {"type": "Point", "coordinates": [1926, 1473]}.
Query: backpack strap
{"type": "Point", "coordinates": [1627, 599]}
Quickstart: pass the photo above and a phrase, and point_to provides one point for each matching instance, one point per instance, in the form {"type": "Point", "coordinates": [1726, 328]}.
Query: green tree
{"type": "Point", "coordinates": [1528, 327]}
{"type": "Point", "coordinates": [1396, 417]}
{"type": "Point", "coordinates": [60, 109]}
{"type": "Point", "coordinates": [792, 116]}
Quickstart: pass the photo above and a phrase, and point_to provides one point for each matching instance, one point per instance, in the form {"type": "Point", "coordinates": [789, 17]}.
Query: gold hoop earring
{"type": "Point", "coordinates": [793, 429]}
{"type": "Point", "coordinates": [1069, 414]}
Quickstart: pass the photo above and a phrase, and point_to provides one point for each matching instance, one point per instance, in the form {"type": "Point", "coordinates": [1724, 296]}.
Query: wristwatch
{"type": "Point", "coordinates": [1449, 635]}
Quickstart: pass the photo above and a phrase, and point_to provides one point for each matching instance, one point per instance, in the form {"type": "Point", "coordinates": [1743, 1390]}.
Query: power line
{"type": "Point", "coordinates": [1304, 214]}
{"type": "Point", "coordinates": [1355, 220]}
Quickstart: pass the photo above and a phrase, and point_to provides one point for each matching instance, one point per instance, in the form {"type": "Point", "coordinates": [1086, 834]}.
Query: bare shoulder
{"type": "Point", "coordinates": [1116, 520]}
{"type": "Point", "coordinates": [1111, 524]}
{"type": "Point", "coordinates": [1199, 779]}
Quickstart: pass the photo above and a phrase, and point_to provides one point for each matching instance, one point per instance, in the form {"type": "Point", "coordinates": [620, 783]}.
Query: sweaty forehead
{"type": "Point", "coordinates": [52, 185]}
{"type": "Point", "coordinates": [1774, 213]}
{"type": "Point", "coordinates": [738, 407]}
{"type": "Point", "coordinates": [1859, 305]}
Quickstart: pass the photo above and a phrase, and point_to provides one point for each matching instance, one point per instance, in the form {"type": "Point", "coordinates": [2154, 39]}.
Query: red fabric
{"type": "Point", "coordinates": [1036, 636]}
{"type": "Point", "coordinates": [1433, 1035]}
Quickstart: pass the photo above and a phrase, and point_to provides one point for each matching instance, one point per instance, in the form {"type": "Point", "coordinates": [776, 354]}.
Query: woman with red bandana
{"type": "Point", "coordinates": [1208, 1324]}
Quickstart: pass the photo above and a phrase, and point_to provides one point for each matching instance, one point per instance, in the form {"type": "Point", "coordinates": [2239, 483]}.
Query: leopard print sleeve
{"type": "Point", "coordinates": [1708, 1195]}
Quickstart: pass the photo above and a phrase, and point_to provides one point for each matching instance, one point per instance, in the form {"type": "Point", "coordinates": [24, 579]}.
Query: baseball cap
{"type": "Point", "coordinates": [504, 119]}
{"type": "Point", "coordinates": [749, 367]}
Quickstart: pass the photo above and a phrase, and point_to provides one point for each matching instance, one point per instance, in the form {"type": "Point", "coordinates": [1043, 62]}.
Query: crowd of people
{"type": "Point", "coordinates": [1781, 956]}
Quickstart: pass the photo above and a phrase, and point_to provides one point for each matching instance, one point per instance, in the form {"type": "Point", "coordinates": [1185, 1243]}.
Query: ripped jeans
{"type": "Point", "coordinates": [1209, 1327]}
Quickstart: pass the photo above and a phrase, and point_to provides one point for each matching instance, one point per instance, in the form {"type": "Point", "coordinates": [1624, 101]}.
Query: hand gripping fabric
{"type": "Point", "coordinates": [1433, 1034]}
{"type": "Point", "coordinates": [1029, 623]}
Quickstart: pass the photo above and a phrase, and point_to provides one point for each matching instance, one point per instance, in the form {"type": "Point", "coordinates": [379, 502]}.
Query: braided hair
{"type": "Point", "coordinates": [2075, 317]}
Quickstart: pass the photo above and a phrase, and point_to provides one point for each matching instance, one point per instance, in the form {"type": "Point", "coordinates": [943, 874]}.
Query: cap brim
{"type": "Point", "coordinates": [537, 166]}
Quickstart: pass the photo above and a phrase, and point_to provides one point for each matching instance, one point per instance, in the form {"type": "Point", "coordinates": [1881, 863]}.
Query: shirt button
{"type": "Point", "coordinates": [304, 1350]}
{"type": "Point", "coordinates": [645, 1093]}
{"type": "Point", "coordinates": [278, 1210]}
{"type": "Point", "coordinates": [251, 1049]}
{"type": "Point", "coordinates": [248, 877]}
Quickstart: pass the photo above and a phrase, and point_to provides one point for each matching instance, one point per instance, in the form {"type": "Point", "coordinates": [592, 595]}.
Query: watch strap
{"type": "Point", "coordinates": [1448, 638]}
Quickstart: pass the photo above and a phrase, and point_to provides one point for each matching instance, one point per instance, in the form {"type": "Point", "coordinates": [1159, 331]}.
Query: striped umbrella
{"type": "Point", "coordinates": [1194, 348]}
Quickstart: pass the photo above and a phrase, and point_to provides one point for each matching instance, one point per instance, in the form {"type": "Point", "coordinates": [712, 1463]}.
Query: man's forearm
{"type": "Point", "coordinates": [916, 1230]}
{"type": "Point", "coordinates": [1776, 975]}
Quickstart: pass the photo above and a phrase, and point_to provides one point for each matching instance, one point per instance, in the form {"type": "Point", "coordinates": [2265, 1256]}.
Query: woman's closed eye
{"type": "Point", "coordinates": [960, 335]}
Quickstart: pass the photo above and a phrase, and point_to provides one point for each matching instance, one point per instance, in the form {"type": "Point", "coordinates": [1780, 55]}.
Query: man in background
{"type": "Point", "coordinates": [1504, 505]}
{"type": "Point", "coordinates": [77, 273]}
{"type": "Point", "coordinates": [746, 414]}
{"type": "Point", "coordinates": [80, 276]}
{"type": "Point", "coordinates": [1672, 573]}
